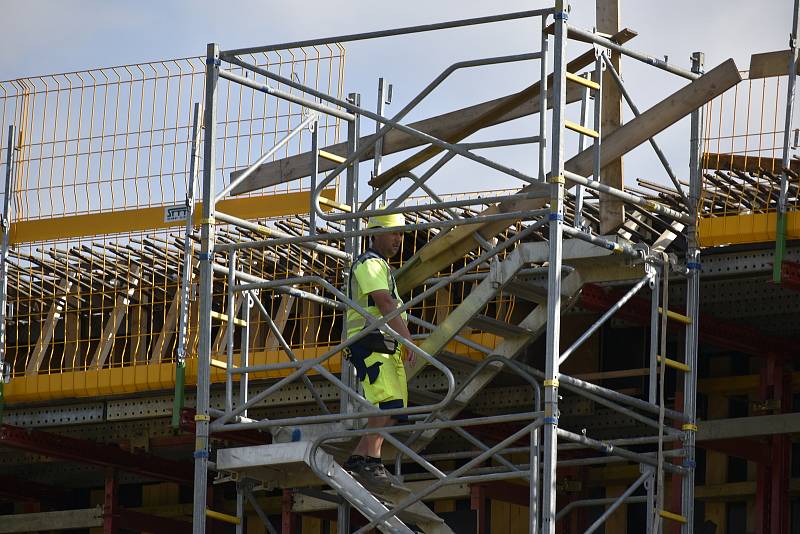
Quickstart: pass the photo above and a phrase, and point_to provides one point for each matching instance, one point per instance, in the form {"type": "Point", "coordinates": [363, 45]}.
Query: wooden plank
{"type": "Point", "coordinates": [48, 329]}
{"type": "Point", "coordinates": [168, 329]}
{"type": "Point", "coordinates": [309, 322]}
{"type": "Point", "coordinates": [258, 329]}
{"type": "Point", "coordinates": [140, 321]}
{"type": "Point", "coordinates": [452, 126]}
{"type": "Point", "coordinates": [281, 318]}
{"type": "Point", "coordinates": [221, 340]}
{"type": "Point", "coordinates": [452, 246]}
{"type": "Point", "coordinates": [612, 210]}
{"type": "Point", "coordinates": [442, 304]}
{"type": "Point", "coordinates": [45, 521]}
{"type": "Point", "coordinates": [769, 64]}
{"type": "Point", "coordinates": [118, 313]}
{"type": "Point", "coordinates": [72, 327]}
{"type": "Point", "coordinates": [740, 162]}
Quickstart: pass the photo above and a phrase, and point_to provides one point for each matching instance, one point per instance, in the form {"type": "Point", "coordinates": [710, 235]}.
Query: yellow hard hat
{"type": "Point", "coordinates": [391, 220]}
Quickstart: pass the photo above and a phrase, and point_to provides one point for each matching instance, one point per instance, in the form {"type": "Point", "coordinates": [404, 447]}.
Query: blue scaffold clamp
{"type": "Point", "coordinates": [693, 265]}
{"type": "Point", "coordinates": [205, 256]}
{"type": "Point", "coordinates": [200, 454]}
{"type": "Point", "coordinates": [556, 217]}
{"type": "Point", "coordinates": [551, 420]}
{"type": "Point", "coordinates": [213, 61]}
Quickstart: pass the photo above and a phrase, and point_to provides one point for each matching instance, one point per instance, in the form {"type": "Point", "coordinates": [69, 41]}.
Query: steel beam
{"type": "Point", "coordinates": [719, 333]}
{"type": "Point", "coordinates": [89, 452]}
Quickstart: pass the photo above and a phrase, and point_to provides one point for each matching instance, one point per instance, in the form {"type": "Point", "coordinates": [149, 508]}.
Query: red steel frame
{"type": "Point", "coordinates": [774, 466]}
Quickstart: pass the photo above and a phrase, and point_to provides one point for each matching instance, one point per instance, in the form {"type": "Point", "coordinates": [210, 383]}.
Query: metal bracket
{"type": "Point", "coordinates": [495, 275]}
{"type": "Point", "coordinates": [644, 254]}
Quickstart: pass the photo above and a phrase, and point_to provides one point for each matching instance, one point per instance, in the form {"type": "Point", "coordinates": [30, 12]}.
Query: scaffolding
{"type": "Point", "coordinates": [306, 449]}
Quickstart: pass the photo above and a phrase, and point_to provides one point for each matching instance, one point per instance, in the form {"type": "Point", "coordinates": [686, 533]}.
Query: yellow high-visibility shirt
{"type": "Point", "coordinates": [369, 272]}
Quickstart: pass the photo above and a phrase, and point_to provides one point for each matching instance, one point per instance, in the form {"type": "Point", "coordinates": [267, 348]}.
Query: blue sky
{"type": "Point", "coordinates": [49, 36]}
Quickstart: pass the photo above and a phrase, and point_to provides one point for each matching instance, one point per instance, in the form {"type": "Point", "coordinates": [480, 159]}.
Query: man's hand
{"type": "Point", "coordinates": [409, 356]}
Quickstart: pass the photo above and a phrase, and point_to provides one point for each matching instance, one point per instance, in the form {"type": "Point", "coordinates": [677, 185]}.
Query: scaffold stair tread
{"type": "Point", "coordinates": [288, 465]}
{"type": "Point", "coordinates": [495, 326]}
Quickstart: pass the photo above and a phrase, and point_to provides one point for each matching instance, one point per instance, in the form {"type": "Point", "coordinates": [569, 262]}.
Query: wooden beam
{"type": "Point", "coordinates": [769, 64]}
{"type": "Point", "coordinates": [221, 340]}
{"type": "Point", "coordinates": [115, 319]}
{"type": "Point", "coordinates": [45, 521]}
{"type": "Point", "coordinates": [168, 329]}
{"type": "Point", "coordinates": [745, 427]}
{"type": "Point", "coordinates": [453, 244]}
{"type": "Point", "coordinates": [612, 210]}
{"type": "Point", "coordinates": [443, 300]}
{"type": "Point", "coordinates": [139, 328]}
{"type": "Point", "coordinates": [72, 343]}
{"type": "Point", "coordinates": [740, 162]}
{"type": "Point", "coordinates": [309, 322]}
{"type": "Point", "coordinates": [281, 318]}
{"type": "Point", "coordinates": [48, 328]}
{"type": "Point", "coordinates": [452, 126]}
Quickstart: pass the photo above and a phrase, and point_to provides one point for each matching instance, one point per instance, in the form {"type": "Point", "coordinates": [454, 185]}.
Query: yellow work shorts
{"type": "Point", "coordinates": [382, 376]}
{"type": "Point", "coordinates": [390, 382]}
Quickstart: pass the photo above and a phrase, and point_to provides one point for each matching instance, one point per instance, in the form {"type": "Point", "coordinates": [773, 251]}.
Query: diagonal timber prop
{"type": "Point", "coordinates": [453, 244]}
{"type": "Point", "coordinates": [452, 127]}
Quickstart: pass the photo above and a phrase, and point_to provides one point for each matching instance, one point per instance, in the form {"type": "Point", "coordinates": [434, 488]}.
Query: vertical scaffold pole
{"type": "Point", "coordinates": [384, 97]}
{"type": "Point", "coordinates": [556, 221]}
{"type": "Point", "coordinates": [244, 381]}
{"type": "Point", "coordinates": [780, 234]}
{"type": "Point", "coordinates": [186, 275]}
{"type": "Point", "coordinates": [352, 247]}
{"type": "Point", "coordinates": [312, 213]}
{"type": "Point", "coordinates": [692, 310]}
{"type": "Point", "coordinates": [6, 222]}
{"type": "Point", "coordinates": [231, 323]}
{"type": "Point", "coordinates": [206, 258]}
{"type": "Point", "coordinates": [543, 103]}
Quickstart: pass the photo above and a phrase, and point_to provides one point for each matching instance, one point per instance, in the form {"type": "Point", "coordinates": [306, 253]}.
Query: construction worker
{"type": "Point", "coordinates": [378, 358]}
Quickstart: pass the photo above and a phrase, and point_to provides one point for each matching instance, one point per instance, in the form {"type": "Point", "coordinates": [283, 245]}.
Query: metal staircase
{"type": "Point", "coordinates": [300, 464]}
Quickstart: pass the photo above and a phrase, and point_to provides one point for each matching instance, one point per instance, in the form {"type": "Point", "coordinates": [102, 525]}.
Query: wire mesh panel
{"type": "Point", "coordinates": [742, 150]}
{"type": "Point", "coordinates": [101, 157]}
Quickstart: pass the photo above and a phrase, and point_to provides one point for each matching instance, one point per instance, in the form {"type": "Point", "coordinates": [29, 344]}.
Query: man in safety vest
{"type": "Point", "coordinates": [378, 358]}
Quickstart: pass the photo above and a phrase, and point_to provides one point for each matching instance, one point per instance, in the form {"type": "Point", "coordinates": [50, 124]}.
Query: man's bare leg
{"type": "Point", "coordinates": [370, 444]}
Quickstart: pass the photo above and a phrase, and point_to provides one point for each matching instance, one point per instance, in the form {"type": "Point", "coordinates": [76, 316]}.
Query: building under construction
{"type": "Point", "coordinates": [593, 353]}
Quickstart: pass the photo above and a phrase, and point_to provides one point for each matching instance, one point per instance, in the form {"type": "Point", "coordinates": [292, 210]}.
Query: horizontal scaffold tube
{"type": "Point", "coordinates": [264, 88]}
{"type": "Point", "coordinates": [648, 205]}
{"type": "Point", "coordinates": [618, 451]}
{"type": "Point", "coordinates": [513, 215]}
{"type": "Point", "coordinates": [574, 32]}
{"type": "Point", "coordinates": [378, 34]}
{"type": "Point", "coordinates": [272, 232]}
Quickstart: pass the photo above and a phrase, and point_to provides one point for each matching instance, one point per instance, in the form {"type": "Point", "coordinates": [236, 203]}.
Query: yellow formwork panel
{"type": "Point", "coordinates": [161, 376]}
{"type": "Point", "coordinates": [142, 219]}
{"type": "Point", "coordinates": [747, 228]}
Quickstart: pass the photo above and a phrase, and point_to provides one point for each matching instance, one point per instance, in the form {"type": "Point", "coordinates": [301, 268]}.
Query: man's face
{"type": "Point", "coordinates": [388, 244]}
